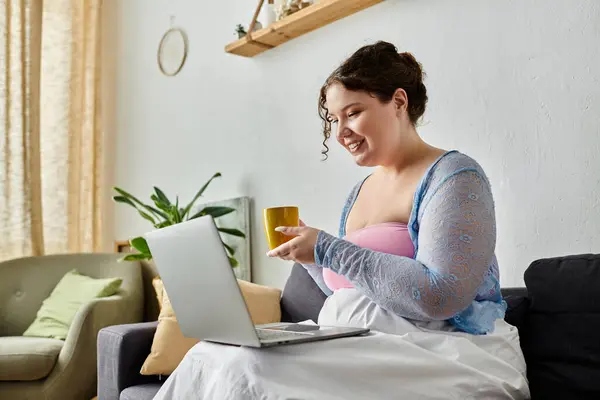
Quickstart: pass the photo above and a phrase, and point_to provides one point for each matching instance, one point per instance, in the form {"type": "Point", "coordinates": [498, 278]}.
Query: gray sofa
{"type": "Point", "coordinates": [557, 314]}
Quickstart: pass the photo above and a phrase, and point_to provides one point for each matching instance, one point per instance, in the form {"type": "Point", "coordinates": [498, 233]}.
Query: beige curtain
{"type": "Point", "coordinates": [51, 140]}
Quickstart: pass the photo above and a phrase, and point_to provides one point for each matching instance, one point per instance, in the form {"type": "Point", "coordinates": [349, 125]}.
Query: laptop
{"type": "Point", "coordinates": [206, 297]}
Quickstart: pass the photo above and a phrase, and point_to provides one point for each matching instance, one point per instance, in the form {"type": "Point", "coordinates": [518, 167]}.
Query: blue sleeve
{"type": "Point", "coordinates": [457, 237]}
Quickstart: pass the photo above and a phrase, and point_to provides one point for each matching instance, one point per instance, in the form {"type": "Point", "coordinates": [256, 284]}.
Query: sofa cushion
{"type": "Point", "coordinates": [140, 392]}
{"type": "Point", "coordinates": [27, 359]}
{"type": "Point", "coordinates": [560, 340]}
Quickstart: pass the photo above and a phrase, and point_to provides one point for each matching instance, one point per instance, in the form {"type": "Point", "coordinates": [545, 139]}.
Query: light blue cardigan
{"type": "Point", "coordinates": [454, 273]}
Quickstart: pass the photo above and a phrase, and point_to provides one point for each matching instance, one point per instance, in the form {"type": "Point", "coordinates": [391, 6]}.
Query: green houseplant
{"type": "Point", "coordinates": [240, 30]}
{"type": "Point", "coordinates": [165, 213]}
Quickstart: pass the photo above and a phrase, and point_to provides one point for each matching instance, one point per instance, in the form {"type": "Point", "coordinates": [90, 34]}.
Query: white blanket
{"type": "Point", "coordinates": [400, 359]}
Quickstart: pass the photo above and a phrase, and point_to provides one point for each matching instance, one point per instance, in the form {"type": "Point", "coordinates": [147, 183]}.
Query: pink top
{"type": "Point", "coordinates": [387, 237]}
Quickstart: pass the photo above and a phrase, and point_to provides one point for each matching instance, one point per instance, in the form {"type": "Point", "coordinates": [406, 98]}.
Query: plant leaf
{"type": "Point", "coordinates": [135, 200]}
{"type": "Point", "coordinates": [230, 249]}
{"type": "Point", "coordinates": [234, 263]}
{"type": "Point", "coordinates": [125, 200]}
{"type": "Point", "coordinates": [175, 210]}
{"type": "Point", "coordinates": [234, 232]}
{"type": "Point", "coordinates": [147, 216]}
{"type": "Point", "coordinates": [160, 213]}
{"type": "Point", "coordinates": [160, 204]}
{"type": "Point", "coordinates": [188, 208]}
{"type": "Point", "coordinates": [200, 213]}
{"type": "Point", "coordinates": [163, 224]}
{"type": "Point", "coordinates": [161, 195]}
{"type": "Point", "coordinates": [167, 211]}
{"type": "Point", "coordinates": [216, 212]}
{"type": "Point", "coordinates": [129, 196]}
{"type": "Point", "coordinates": [140, 244]}
{"type": "Point", "coordinates": [137, 257]}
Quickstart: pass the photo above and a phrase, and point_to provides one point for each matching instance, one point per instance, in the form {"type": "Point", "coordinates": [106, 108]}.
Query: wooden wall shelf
{"type": "Point", "coordinates": [321, 13]}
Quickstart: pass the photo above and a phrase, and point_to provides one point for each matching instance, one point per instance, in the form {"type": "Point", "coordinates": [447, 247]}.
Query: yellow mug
{"type": "Point", "coordinates": [279, 216]}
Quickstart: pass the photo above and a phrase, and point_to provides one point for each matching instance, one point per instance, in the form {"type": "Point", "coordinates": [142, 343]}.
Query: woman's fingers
{"type": "Point", "coordinates": [285, 251]}
{"type": "Point", "coordinates": [290, 230]}
{"type": "Point", "coordinates": [281, 251]}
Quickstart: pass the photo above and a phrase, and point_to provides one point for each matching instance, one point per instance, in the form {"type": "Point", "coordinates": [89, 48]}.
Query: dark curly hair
{"type": "Point", "coordinates": [379, 70]}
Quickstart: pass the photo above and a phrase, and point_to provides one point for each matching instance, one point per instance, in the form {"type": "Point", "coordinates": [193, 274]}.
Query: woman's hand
{"type": "Point", "coordinates": [300, 249]}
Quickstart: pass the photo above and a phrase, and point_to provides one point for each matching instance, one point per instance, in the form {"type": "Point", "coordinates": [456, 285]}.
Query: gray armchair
{"type": "Point", "coordinates": [36, 368]}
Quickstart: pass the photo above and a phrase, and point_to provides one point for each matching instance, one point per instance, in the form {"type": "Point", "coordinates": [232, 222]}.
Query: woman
{"type": "Point", "coordinates": [419, 197]}
{"type": "Point", "coordinates": [414, 262]}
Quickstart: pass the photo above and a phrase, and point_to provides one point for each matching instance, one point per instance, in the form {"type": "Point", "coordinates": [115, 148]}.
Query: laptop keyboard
{"type": "Point", "coordinates": [268, 334]}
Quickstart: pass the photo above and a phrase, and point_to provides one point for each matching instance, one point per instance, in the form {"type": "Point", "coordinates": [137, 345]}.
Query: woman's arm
{"type": "Point", "coordinates": [457, 237]}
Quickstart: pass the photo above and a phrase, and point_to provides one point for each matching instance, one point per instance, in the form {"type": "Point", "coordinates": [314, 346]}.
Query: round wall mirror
{"type": "Point", "coordinates": [172, 51]}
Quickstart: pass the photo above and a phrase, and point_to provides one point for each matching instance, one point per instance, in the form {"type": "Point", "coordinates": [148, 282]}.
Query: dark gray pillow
{"type": "Point", "coordinates": [560, 340]}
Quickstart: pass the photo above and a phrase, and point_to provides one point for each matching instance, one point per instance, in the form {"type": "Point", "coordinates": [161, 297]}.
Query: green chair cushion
{"type": "Point", "coordinates": [54, 318]}
{"type": "Point", "coordinates": [26, 358]}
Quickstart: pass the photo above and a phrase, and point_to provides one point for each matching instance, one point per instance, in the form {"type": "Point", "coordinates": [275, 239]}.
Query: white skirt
{"type": "Point", "coordinates": [400, 359]}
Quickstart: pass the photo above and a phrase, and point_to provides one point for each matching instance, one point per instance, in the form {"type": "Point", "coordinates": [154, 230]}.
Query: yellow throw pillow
{"type": "Point", "coordinates": [262, 302]}
{"type": "Point", "coordinates": [158, 288]}
{"type": "Point", "coordinates": [169, 346]}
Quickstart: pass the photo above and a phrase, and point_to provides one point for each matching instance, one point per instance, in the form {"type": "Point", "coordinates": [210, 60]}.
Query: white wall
{"type": "Point", "coordinates": [515, 84]}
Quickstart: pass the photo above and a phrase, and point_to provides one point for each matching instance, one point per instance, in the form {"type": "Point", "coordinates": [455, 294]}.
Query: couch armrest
{"type": "Point", "coordinates": [122, 349]}
{"type": "Point", "coordinates": [74, 374]}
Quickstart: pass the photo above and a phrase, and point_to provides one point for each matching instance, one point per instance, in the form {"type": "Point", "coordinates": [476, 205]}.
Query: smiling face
{"type": "Point", "coordinates": [374, 99]}
{"type": "Point", "coordinates": [365, 126]}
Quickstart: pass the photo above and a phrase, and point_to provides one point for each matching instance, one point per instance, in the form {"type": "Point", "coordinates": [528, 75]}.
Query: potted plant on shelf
{"type": "Point", "coordinates": [240, 30]}
{"type": "Point", "coordinates": [165, 213]}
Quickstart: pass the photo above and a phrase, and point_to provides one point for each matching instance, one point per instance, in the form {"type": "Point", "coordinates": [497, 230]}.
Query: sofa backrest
{"type": "Point", "coordinates": [301, 299]}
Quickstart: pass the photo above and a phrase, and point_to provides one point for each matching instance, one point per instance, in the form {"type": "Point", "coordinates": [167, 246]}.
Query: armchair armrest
{"type": "Point", "coordinates": [122, 349]}
{"type": "Point", "coordinates": [74, 374]}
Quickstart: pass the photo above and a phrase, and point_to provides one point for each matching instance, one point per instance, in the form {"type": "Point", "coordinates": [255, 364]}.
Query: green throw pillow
{"type": "Point", "coordinates": [74, 290]}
